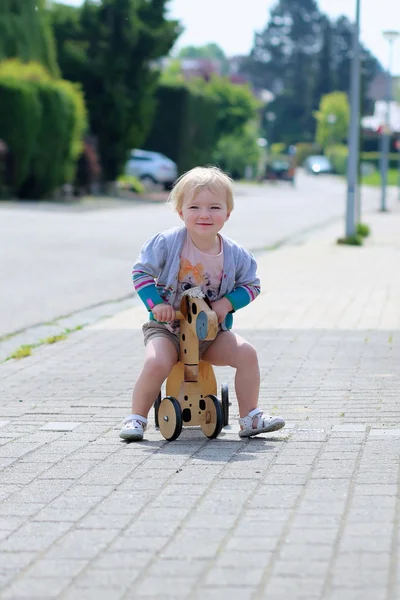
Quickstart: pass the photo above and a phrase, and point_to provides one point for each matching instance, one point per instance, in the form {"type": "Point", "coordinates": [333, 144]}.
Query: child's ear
{"type": "Point", "coordinates": [227, 216]}
{"type": "Point", "coordinates": [180, 213]}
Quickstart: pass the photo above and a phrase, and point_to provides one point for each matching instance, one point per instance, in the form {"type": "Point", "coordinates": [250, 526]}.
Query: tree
{"type": "Point", "coordinates": [342, 52]}
{"type": "Point", "coordinates": [332, 119]}
{"type": "Point", "coordinates": [236, 104]}
{"type": "Point", "coordinates": [300, 56]}
{"type": "Point", "coordinates": [118, 42]}
{"type": "Point", "coordinates": [234, 153]}
{"type": "Point", "coordinates": [325, 76]}
{"type": "Point", "coordinates": [285, 59]}
{"type": "Point", "coordinates": [25, 33]}
{"type": "Point", "coordinates": [212, 51]}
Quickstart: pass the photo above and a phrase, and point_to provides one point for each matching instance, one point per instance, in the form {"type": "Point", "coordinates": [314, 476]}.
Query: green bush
{"type": "Point", "coordinates": [20, 116]}
{"type": "Point", "coordinates": [338, 157]}
{"type": "Point", "coordinates": [277, 149]}
{"type": "Point", "coordinates": [236, 152]}
{"type": "Point", "coordinates": [374, 158]}
{"type": "Point", "coordinates": [304, 150]}
{"type": "Point", "coordinates": [47, 165]}
{"type": "Point", "coordinates": [42, 120]}
{"type": "Point", "coordinates": [130, 183]}
{"type": "Point", "coordinates": [184, 127]}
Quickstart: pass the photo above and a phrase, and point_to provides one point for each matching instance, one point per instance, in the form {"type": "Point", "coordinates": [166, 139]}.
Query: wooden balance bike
{"type": "Point", "coordinates": [191, 386]}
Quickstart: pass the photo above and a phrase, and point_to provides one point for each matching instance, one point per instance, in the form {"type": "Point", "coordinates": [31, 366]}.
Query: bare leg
{"type": "Point", "coordinates": [160, 357]}
{"type": "Point", "coordinates": [232, 350]}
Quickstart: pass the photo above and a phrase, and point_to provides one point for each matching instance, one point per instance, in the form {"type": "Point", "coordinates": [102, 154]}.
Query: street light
{"type": "Point", "coordinates": [354, 129]}
{"type": "Point", "coordinates": [331, 120]}
{"type": "Point", "coordinates": [390, 37]}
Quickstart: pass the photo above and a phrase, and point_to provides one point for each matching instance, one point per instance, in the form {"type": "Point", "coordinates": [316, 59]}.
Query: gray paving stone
{"type": "Point", "coordinates": [36, 588]}
{"type": "Point", "coordinates": [60, 426]}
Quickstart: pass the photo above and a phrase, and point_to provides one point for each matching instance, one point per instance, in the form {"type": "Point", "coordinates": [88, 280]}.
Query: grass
{"type": "Point", "coordinates": [26, 349]}
{"type": "Point", "coordinates": [363, 230]}
{"type": "Point", "coordinates": [352, 240]}
{"type": "Point", "coordinates": [374, 178]}
{"type": "Point", "coordinates": [22, 352]}
{"type": "Point", "coordinates": [54, 338]}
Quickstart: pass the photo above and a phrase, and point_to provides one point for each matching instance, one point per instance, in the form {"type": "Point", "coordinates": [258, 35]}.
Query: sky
{"type": "Point", "coordinates": [232, 25]}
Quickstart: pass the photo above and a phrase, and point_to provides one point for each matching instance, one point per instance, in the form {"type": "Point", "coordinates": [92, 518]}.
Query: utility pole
{"type": "Point", "coordinates": [354, 131]}
{"type": "Point", "coordinates": [390, 37]}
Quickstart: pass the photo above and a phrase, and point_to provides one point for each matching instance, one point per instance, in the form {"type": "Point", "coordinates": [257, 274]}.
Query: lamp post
{"type": "Point", "coordinates": [354, 130]}
{"type": "Point", "coordinates": [271, 118]}
{"type": "Point", "coordinates": [390, 37]}
{"type": "Point", "coordinates": [331, 120]}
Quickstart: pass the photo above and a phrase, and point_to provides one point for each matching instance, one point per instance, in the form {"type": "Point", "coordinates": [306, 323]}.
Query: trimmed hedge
{"type": "Point", "coordinates": [338, 157]}
{"type": "Point", "coordinates": [42, 120]}
{"type": "Point", "coordinates": [184, 127]}
{"type": "Point", "coordinates": [20, 117]}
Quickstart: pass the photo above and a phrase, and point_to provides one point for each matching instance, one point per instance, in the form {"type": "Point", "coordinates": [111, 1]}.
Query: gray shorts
{"type": "Point", "coordinates": [153, 329]}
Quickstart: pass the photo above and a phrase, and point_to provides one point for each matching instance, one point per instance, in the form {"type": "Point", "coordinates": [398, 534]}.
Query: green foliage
{"type": "Point", "coordinates": [352, 240]}
{"type": "Point", "coordinates": [78, 124]}
{"type": "Point", "coordinates": [374, 159]}
{"type": "Point", "coordinates": [338, 157]}
{"type": "Point", "coordinates": [301, 55]}
{"type": "Point", "coordinates": [236, 104]}
{"type": "Point", "coordinates": [20, 115]}
{"type": "Point", "coordinates": [363, 230]}
{"type": "Point", "coordinates": [25, 33]}
{"type": "Point", "coordinates": [374, 179]}
{"type": "Point", "coordinates": [211, 51]}
{"type": "Point", "coordinates": [172, 73]}
{"type": "Point", "coordinates": [130, 183]}
{"type": "Point", "coordinates": [304, 150]}
{"type": "Point", "coordinates": [109, 47]}
{"type": "Point", "coordinates": [277, 149]}
{"type": "Point", "coordinates": [53, 139]}
{"type": "Point", "coordinates": [45, 133]}
{"type": "Point", "coordinates": [332, 119]}
{"type": "Point", "coordinates": [235, 152]}
{"type": "Point", "coordinates": [184, 126]}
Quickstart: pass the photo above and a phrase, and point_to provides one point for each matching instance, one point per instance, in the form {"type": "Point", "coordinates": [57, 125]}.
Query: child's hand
{"type": "Point", "coordinates": [164, 313]}
{"type": "Point", "coordinates": [222, 308]}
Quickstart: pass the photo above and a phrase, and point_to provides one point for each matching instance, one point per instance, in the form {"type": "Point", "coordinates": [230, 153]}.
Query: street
{"type": "Point", "coordinates": [56, 259]}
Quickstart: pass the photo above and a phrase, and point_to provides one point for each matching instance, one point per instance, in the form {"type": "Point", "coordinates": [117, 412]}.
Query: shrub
{"type": "Point", "coordinates": [20, 116]}
{"type": "Point", "coordinates": [236, 152]}
{"type": "Point", "coordinates": [42, 120]}
{"type": "Point", "coordinates": [130, 183]}
{"type": "Point", "coordinates": [277, 149]}
{"type": "Point", "coordinates": [47, 166]}
{"type": "Point", "coordinates": [338, 157]}
{"type": "Point", "coordinates": [304, 150]}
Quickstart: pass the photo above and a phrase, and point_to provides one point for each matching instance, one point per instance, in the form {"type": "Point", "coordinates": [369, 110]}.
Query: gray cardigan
{"type": "Point", "coordinates": [155, 273]}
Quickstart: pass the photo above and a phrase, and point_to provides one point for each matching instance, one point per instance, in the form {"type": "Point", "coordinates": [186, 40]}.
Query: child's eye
{"type": "Point", "coordinates": [194, 206]}
{"type": "Point", "coordinates": [215, 208]}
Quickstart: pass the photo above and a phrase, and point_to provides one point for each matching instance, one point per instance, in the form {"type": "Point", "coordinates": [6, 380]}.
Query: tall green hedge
{"type": "Point", "coordinates": [42, 120]}
{"type": "Point", "coordinates": [184, 127]}
{"type": "Point", "coordinates": [20, 117]}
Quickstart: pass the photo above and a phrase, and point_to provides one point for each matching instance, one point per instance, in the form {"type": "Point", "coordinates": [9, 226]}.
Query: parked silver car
{"type": "Point", "coordinates": [318, 164]}
{"type": "Point", "coordinates": [152, 168]}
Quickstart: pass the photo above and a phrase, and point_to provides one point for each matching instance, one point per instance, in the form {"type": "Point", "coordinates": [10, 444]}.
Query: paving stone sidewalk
{"type": "Point", "coordinates": [311, 512]}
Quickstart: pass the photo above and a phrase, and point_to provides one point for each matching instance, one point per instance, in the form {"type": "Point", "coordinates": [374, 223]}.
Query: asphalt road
{"type": "Point", "coordinates": [56, 259]}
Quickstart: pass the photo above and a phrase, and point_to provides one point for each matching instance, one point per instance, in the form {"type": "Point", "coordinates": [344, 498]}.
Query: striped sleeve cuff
{"type": "Point", "coordinates": [243, 295]}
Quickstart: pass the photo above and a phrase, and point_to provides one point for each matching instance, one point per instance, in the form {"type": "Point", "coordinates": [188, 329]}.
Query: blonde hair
{"type": "Point", "coordinates": [200, 178]}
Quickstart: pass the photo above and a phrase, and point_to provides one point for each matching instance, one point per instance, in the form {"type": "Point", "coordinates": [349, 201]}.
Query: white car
{"type": "Point", "coordinates": [152, 168]}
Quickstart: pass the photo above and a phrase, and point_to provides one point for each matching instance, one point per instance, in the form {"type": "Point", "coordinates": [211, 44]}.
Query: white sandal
{"type": "Point", "coordinates": [133, 428]}
{"type": "Point", "coordinates": [256, 422]}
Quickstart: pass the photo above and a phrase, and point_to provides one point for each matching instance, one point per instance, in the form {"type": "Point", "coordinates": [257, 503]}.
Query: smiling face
{"type": "Point", "coordinates": [204, 214]}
